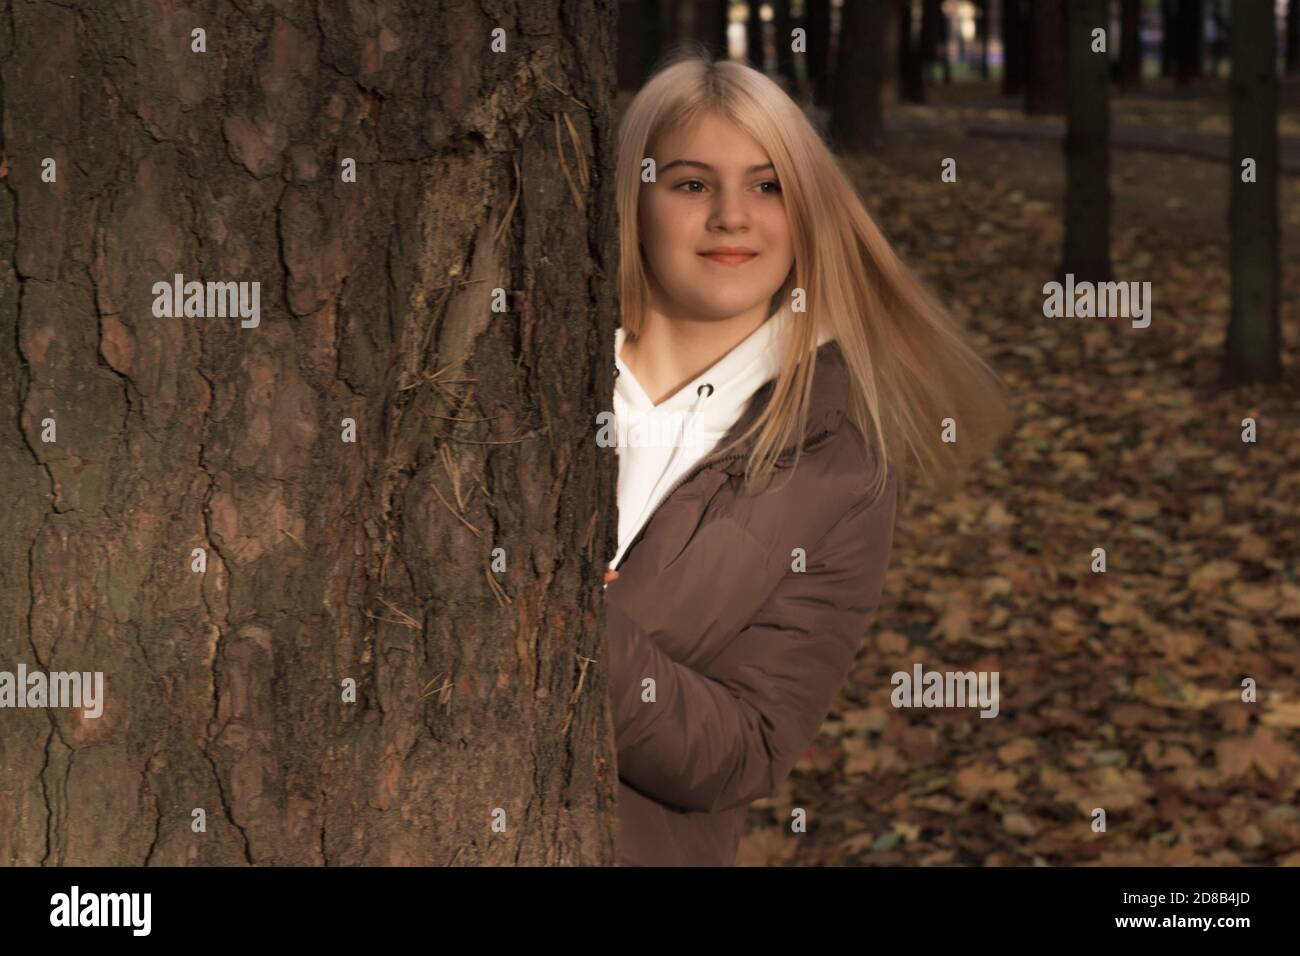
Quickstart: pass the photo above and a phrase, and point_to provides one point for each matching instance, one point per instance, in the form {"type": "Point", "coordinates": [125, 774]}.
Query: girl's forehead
{"type": "Point", "coordinates": [713, 135]}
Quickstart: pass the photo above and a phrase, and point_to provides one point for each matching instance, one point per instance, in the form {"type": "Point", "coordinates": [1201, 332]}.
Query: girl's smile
{"type": "Point", "coordinates": [730, 255]}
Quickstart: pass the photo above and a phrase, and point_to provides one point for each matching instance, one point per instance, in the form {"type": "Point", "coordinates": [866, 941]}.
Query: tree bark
{"type": "Point", "coordinates": [631, 35]}
{"type": "Point", "coordinates": [755, 52]}
{"type": "Point", "coordinates": [1015, 47]}
{"type": "Point", "coordinates": [1168, 37]}
{"type": "Point", "coordinates": [656, 34]}
{"type": "Point", "coordinates": [817, 21]}
{"type": "Point", "coordinates": [982, 36]}
{"type": "Point", "coordinates": [1219, 51]}
{"type": "Point", "coordinates": [1253, 335]}
{"type": "Point", "coordinates": [1087, 147]}
{"type": "Point", "coordinates": [911, 76]}
{"type": "Point", "coordinates": [1045, 84]}
{"type": "Point", "coordinates": [227, 440]}
{"type": "Point", "coordinates": [1130, 47]}
{"type": "Point", "coordinates": [782, 26]}
{"type": "Point", "coordinates": [1293, 37]}
{"type": "Point", "coordinates": [857, 113]}
{"type": "Point", "coordinates": [932, 51]}
{"type": "Point", "coordinates": [711, 27]}
{"type": "Point", "coordinates": [1190, 31]}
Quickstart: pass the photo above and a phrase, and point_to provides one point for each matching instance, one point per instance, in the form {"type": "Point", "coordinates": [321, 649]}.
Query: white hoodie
{"type": "Point", "coordinates": [658, 444]}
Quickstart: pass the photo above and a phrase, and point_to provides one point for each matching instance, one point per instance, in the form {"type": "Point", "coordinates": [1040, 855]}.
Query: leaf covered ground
{"type": "Point", "coordinates": [1118, 690]}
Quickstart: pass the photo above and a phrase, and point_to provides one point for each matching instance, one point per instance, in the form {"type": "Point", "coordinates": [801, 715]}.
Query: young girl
{"type": "Point", "coordinates": [779, 372]}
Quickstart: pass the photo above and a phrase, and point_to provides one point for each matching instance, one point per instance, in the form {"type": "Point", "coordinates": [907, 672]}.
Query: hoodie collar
{"type": "Point", "coordinates": [733, 378]}
{"type": "Point", "coordinates": [751, 369]}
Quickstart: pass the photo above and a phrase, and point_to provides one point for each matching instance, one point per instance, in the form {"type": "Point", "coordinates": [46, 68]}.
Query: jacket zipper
{"type": "Point", "coordinates": [706, 463]}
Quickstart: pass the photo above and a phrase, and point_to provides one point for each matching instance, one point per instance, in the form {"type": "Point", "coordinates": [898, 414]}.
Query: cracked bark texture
{"type": "Point", "coordinates": [325, 560]}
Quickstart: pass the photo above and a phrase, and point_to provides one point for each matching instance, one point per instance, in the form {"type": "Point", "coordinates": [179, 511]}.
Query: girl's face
{"type": "Point", "coordinates": [715, 192]}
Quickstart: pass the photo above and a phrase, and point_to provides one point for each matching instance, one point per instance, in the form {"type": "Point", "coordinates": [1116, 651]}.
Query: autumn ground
{"type": "Point", "coordinates": [1120, 691]}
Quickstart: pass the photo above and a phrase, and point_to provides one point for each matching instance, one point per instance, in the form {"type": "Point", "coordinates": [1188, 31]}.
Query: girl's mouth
{"type": "Point", "coordinates": [729, 258]}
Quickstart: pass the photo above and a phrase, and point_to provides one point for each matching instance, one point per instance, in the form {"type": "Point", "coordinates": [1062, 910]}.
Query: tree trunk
{"type": "Point", "coordinates": [1015, 48]}
{"type": "Point", "coordinates": [857, 114]}
{"type": "Point", "coordinates": [711, 27]}
{"type": "Point", "coordinates": [782, 26]}
{"type": "Point", "coordinates": [1253, 336]}
{"type": "Point", "coordinates": [911, 88]}
{"type": "Point", "coordinates": [1190, 31]}
{"type": "Point", "coordinates": [1168, 37]}
{"type": "Point", "coordinates": [817, 22]}
{"type": "Point", "coordinates": [982, 36]}
{"type": "Point", "coordinates": [188, 507]}
{"type": "Point", "coordinates": [1130, 47]}
{"type": "Point", "coordinates": [941, 53]}
{"type": "Point", "coordinates": [1219, 51]}
{"type": "Point", "coordinates": [631, 30]}
{"type": "Point", "coordinates": [1293, 37]}
{"type": "Point", "coordinates": [656, 33]}
{"type": "Point", "coordinates": [889, 92]}
{"type": "Point", "coordinates": [1045, 85]}
{"type": "Point", "coordinates": [1087, 147]}
{"type": "Point", "coordinates": [755, 50]}
{"type": "Point", "coordinates": [931, 31]}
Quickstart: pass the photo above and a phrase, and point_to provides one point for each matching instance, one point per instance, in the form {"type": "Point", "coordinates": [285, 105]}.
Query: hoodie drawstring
{"type": "Point", "coordinates": [700, 396]}
{"type": "Point", "coordinates": [691, 415]}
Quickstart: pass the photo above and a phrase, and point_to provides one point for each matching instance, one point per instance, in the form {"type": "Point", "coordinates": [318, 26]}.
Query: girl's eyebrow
{"type": "Point", "coordinates": [708, 168]}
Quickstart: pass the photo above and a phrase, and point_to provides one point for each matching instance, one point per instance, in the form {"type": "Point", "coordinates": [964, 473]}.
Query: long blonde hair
{"type": "Point", "coordinates": [908, 362]}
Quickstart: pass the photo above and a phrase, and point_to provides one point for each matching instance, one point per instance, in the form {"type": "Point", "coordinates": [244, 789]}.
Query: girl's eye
{"type": "Point", "coordinates": [685, 184]}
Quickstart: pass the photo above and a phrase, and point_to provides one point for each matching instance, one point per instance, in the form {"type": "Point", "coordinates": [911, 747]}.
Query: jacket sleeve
{"type": "Point", "coordinates": [729, 733]}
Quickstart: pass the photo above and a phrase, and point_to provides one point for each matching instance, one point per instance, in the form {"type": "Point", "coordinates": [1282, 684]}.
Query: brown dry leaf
{"type": "Point", "coordinates": [1263, 750]}
{"type": "Point", "coordinates": [765, 847]}
{"type": "Point", "coordinates": [1065, 620]}
{"type": "Point", "coordinates": [997, 517]}
{"type": "Point", "coordinates": [858, 843]}
{"type": "Point", "coordinates": [1120, 612]}
{"type": "Point", "coordinates": [1254, 548]}
{"type": "Point", "coordinates": [995, 586]}
{"type": "Point", "coordinates": [1290, 609]}
{"type": "Point", "coordinates": [1017, 750]}
{"type": "Point", "coordinates": [977, 780]}
{"type": "Point", "coordinates": [1179, 644]}
{"type": "Point", "coordinates": [861, 762]}
{"type": "Point", "coordinates": [1070, 460]}
{"type": "Point", "coordinates": [891, 642]}
{"type": "Point", "coordinates": [870, 720]}
{"type": "Point", "coordinates": [909, 832]}
{"type": "Point", "coordinates": [938, 803]}
{"type": "Point", "coordinates": [1113, 789]}
{"type": "Point", "coordinates": [1281, 714]}
{"type": "Point", "coordinates": [1209, 576]}
{"type": "Point", "coordinates": [1255, 597]}
{"type": "Point", "coordinates": [1242, 635]}
{"type": "Point", "coordinates": [955, 623]}
{"type": "Point", "coordinates": [1017, 824]}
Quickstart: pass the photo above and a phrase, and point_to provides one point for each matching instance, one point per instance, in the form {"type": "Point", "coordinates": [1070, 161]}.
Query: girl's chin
{"type": "Point", "coordinates": [721, 311]}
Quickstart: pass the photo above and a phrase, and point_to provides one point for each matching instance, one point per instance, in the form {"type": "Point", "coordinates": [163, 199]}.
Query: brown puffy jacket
{"type": "Point", "coordinates": [746, 653]}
